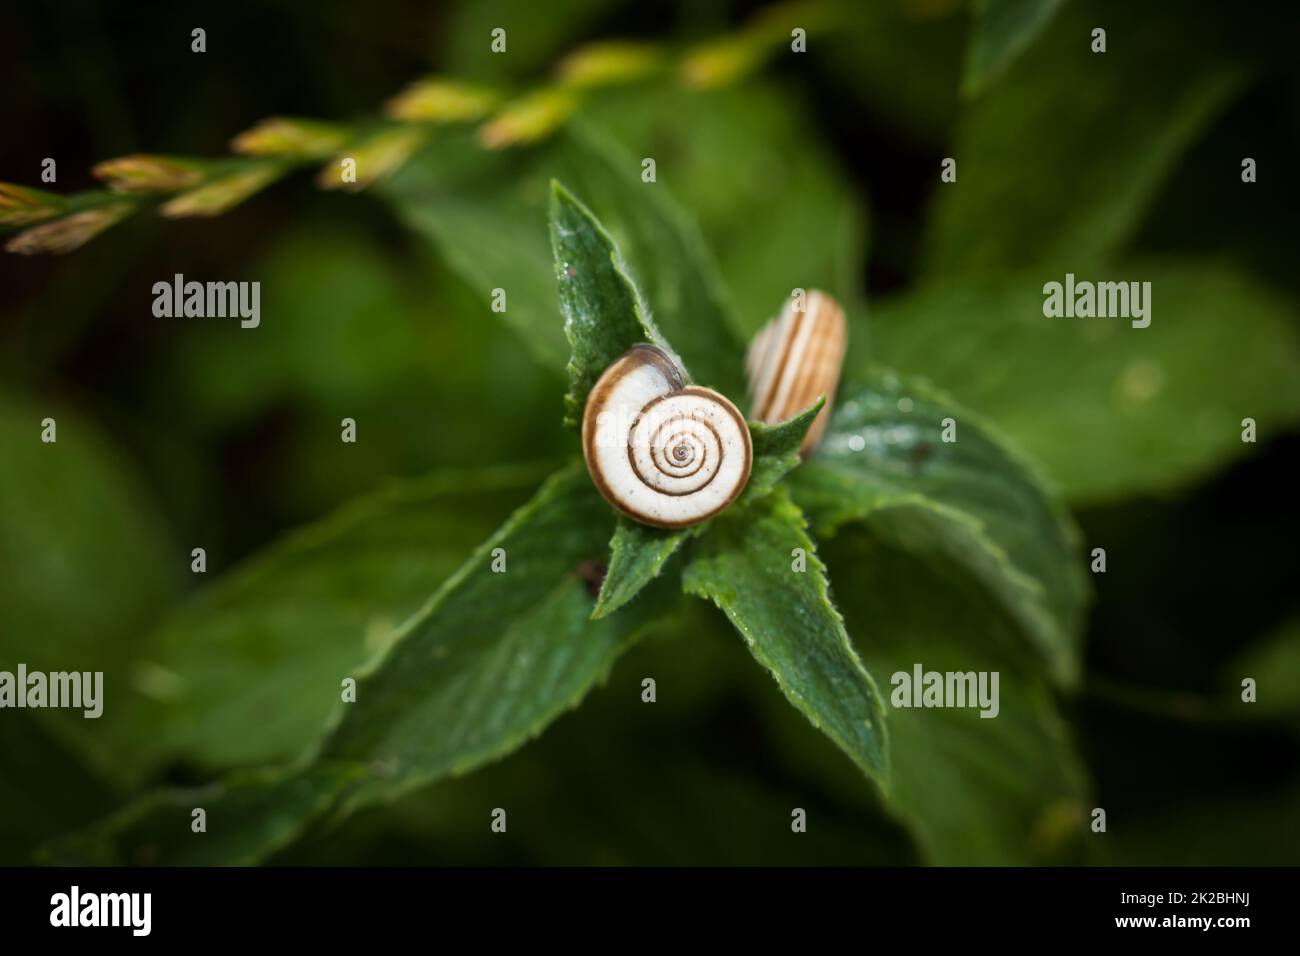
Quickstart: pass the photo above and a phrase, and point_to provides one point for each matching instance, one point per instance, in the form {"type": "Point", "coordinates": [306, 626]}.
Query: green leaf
{"type": "Point", "coordinates": [249, 815]}
{"type": "Point", "coordinates": [637, 554]}
{"type": "Point", "coordinates": [975, 791]}
{"type": "Point", "coordinates": [604, 314]}
{"type": "Point", "coordinates": [86, 565]}
{"type": "Point", "coordinates": [776, 451]}
{"type": "Point", "coordinates": [1023, 196]}
{"type": "Point", "coordinates": [85, 559]}
{"type": "Point", "coordinates": [462, 687]}
{"type": "Point", "coordinates": [596, 798]}
{"type": "Point", "coordinates": [487, 213]}
{"type": "Point", "coordinates": [457, 689]}
{"type": "Point", "coordinates": [1108, 409]}
{"type": "Point", "coordinates": [247, 670]}
{"type": "Point", "coordinates": [745, 565]}
{"type": "Point", "coordinates": [974, 501]}
{"type": "Point", "coordinates": [1003, 30]}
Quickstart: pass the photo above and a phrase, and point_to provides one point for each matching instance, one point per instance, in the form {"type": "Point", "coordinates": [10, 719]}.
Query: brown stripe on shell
{"type": "Point", "coordinates": [823, 360]}
{"type": "Point", "coordinates": [655, 448]}
{"type": "Point", "coordinates": [783, 339]}
{"type": "Point", "coordinates": [729, 407]}
{"type": "Point", "coordinates": [818, 368]}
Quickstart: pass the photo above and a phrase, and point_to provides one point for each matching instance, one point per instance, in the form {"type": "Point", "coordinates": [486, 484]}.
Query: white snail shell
{"type": "Point", "coordinates": [794, 359]}
{"type": "Point", "coordinates": [662, 452]}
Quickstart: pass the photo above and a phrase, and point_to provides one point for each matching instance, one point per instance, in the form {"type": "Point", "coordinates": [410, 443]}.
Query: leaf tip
{"type": "Point", "coordinates": [560, 193]}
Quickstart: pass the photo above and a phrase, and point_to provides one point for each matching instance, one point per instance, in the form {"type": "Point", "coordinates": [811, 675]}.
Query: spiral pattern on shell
{"type": "Point", "coordinates": [794, 359]}
{"type": "Point", "coordinates": [662, 452]}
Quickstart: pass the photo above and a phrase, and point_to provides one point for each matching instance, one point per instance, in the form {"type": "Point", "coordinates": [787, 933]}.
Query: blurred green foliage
{"type": "Point", "coordinates": [321, 603]}
{"type": "Point", "coordinates": [175, 435]}
{"type": "Point", "coordinates": [973, 501]}
{"type": "Point", "coordinates": [1147, 409]}
{"type": "Point", "coordinates": [773, 200]}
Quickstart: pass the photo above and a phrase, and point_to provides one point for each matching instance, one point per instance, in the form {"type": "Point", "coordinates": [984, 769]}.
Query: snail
{"type": "Point", "coordinates": [662, 452]}
{"type": "Point", "coordinates": [794, 359]}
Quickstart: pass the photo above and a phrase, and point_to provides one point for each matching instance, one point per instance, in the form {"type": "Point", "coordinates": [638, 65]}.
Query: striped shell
{"type": "Point", "coordinates": [794, 359]}
{"type": "Point", "coordinates": [662, 452]}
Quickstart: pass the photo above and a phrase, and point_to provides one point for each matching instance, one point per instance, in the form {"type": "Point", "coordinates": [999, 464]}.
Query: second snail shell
{"type": "Point", "coordinates": [796, 358]}
{"type": "Point", "coordinates": [660, 451]}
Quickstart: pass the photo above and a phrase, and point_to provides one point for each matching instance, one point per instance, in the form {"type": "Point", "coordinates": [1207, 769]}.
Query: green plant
{"type": "Point", "coordinates": [955, 555]}
{"type": "Point", "coordinates": [492, 658]}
